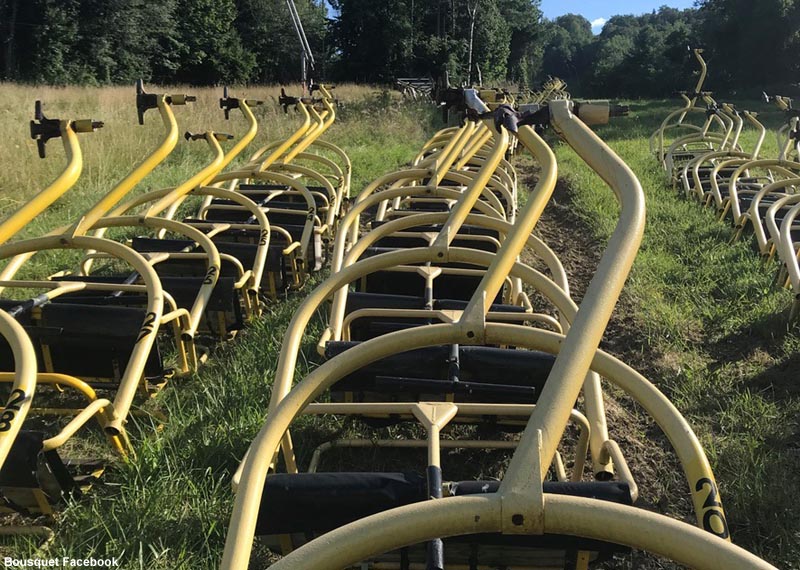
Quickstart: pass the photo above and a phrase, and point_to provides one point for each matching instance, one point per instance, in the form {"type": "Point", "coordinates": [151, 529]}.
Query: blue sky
{"type": "Point", "coordinates": [598, 11]}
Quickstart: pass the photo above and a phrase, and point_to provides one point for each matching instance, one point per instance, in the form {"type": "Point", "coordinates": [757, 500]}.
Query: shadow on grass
{"type": "Point", "coordinates": [779, 380]}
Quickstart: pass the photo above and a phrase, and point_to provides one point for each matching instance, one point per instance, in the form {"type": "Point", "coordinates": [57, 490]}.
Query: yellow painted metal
{"type": "Point", "coordinates": [119, 191]}
{"type": "Point", "coordinates": [771, 219]}
{"type": "Point", "coordinates": [576, 353]}
{"type": "Point", "coordinates": [515, 241]}
{"type": "Point", "coordinates": [244, 141]}
{"type": "Point", "coordinates": [19, 401]}
{"type": "Point", "coordinates": [436, 143]}
{"type": "Point", "coordinates": [445, 316]}
{"type": "Point", "coordinates": [575, 516]}
{"type": "Point", "coordinates": [293, 184]}
{"type": "Point", "coordinates": [519, 506]}
{"type": "Point", "coordinates": [134, 369]}
{"type": "Point", "coordinates": [434, 416]}
{"type": "Point", "coordinates": [428, 254]}
{"type": "Point", "coordinates": [230, 156]}
{"type": "Point", "coordinates": [681, 113]}
{"type": "Point", "coordinates": [779, 191]}
{"type": "Point", "coordinates": [680, 434]}
{"type": "Point", "coordinates": [467, 412]}
{"type": "Point", "coordinates": [452, 151]}
{"type": "Point", "coordinates": [503, 227]}
{"type": "Point", "coordinates": [326, 120]}
{"type": "Point", "coordinates": [789, 169]}
{"type": "Point", "coordinates": [210, 255]}
{"type": "Point", "coordinates": [535, 206]}
{"type": "Point", "coordinates": [280, 148]}
{"type": "Point", "coordinates": [101, 408]}
{"type": "Point", "coordinates": [261, 222]}
{"type": "Point", "coordinates": [476, 311]}
{"type": "Point", "coordinates": [440, 164]}
{"type": "Point", "coordinates": [612, 452]}
{"type": "Point", "coordinates": [93, 409]}
{"type": "Point", "coordinates": [298, 142]}
{"type": "Point", "coordinates": [471, 195]}
{"type": "Point", "coordinates": [60, 185]}
{"type": "Point", "coordinates": [136, 175]}
{"type": "Point", "coordinates": [312, 175]}
{"type": "Point", "coordinates": [571, 367]}
{"type": "Point", "coordinates": [346, 166]}
{"type": "Point", "coordinates": [391, 178]}
{"type": "Point", "coordinates": [719, 160]}
{"type": "Point", "coordinates": [477, 144]}
{"type": "Point", "coordinates": [688, 449]}
{"type": "Point", "coordinates": [695, 187]}
{"type": "Point", "coordinates": [788, 251]}
{"type": "Point", "coordinates": [208, 172]}
{"type": "Point", "coordinates": [394, 226]}
{"type": "Point", "coordinates": [288, 354]}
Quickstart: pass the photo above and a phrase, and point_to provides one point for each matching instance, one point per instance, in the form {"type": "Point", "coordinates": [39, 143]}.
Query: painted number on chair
{"type": "Point", "coordinates": [147, 326]}
{"type": "Point", "coordinates": [713, 509]}
{"type": "Point", "coordinates": [11, 409]}
{"type": "Point", "coordinates": [211, 275]}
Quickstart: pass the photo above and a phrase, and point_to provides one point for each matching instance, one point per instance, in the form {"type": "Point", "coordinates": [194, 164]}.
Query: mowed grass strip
{"type": "Point", "coordinates": [714, 326]}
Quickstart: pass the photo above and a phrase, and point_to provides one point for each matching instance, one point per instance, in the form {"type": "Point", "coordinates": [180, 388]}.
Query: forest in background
{"type": "Point", "coordinates": [750, 45]}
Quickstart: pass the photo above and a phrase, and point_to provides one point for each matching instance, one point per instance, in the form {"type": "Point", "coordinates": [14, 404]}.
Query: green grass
{"type": "Point", "coordinates": [710, 321]}
{"type": "Point", "coordinates": [169, 508]}
{"type": "Point", "coordinates": [378, 135]}
{"type": "Point", "coordinates": [714, 326]}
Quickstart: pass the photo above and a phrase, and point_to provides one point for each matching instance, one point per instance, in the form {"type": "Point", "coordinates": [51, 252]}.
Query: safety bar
{"type": "Point", "coordinates": [42, 130]}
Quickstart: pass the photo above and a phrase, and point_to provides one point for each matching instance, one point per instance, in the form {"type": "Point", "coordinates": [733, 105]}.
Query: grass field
{"type": "Point", "coordinates": [706, 323]}
{"type": "Point", "coordinates": [712, 334]}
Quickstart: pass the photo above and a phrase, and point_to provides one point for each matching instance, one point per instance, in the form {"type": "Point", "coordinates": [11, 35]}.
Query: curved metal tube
{"type": "Point", "coordinates": [19, 401]}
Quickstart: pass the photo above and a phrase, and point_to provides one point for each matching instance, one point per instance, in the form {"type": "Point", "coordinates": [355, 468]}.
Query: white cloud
{"type": "Point", "coordinates": [598, 23]}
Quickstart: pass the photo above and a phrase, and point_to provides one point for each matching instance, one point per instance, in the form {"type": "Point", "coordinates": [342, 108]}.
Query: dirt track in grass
{"type": "Point", "coordinates": [662, 487]}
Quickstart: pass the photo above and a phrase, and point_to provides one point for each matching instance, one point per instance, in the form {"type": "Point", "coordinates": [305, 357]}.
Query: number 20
{"type": "Point", "coordinates": [711, 503]}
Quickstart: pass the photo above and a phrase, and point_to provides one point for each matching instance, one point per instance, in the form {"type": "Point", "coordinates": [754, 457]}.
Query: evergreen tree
{"type": "Point", "coordinates": [372, 39]}
{"type": "Point", "coordinates": [210, 49]}
{"type": "Point", "coordinates": [567, 47]}
{"type": "Point", "coordinates": [751, 45]}
{"type": "Point", "coordinates": [265, 27]}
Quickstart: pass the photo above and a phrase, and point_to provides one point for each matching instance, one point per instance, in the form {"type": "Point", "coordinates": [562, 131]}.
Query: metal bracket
{"type": "Point", "coordinates": [44, 129]}
{"type": "Point", "coordinates": [522, 507]}
{"type": "Point", "coordinates": [146, 101]}
{"type": "Point", "coordinates": [221, 137]}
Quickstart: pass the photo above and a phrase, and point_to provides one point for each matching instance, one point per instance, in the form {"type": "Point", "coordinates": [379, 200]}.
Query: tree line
{"type": "Point", "coordinates": [750, 45]}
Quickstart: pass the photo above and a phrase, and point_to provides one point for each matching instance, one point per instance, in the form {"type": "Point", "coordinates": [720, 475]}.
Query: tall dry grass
{"type": "Point", "coordinates": [112, 151]}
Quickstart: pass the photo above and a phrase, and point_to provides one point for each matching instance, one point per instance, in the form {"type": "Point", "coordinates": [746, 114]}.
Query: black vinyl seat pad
{"type": "Point", "coordinates": [244, 252]}
{"type": "Point", "coordinates": [445, 286]}
{"type": "Point", "coordinates": [85, 340]}
{"type": "Point", "coordinates": [278, 241]}
{"type": "Point", "coordinates": [468, 230]}
{"type": "Point", "coordinates": [365, 328]}
{"type": "Point", "coordinates": [28, 467]}
{"type": "Point", "coordinates": [184, 291]}
{"type": "Point", "coordinates": [320, 502]}
{"type": "Point", "coordinates": [471, 373]}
